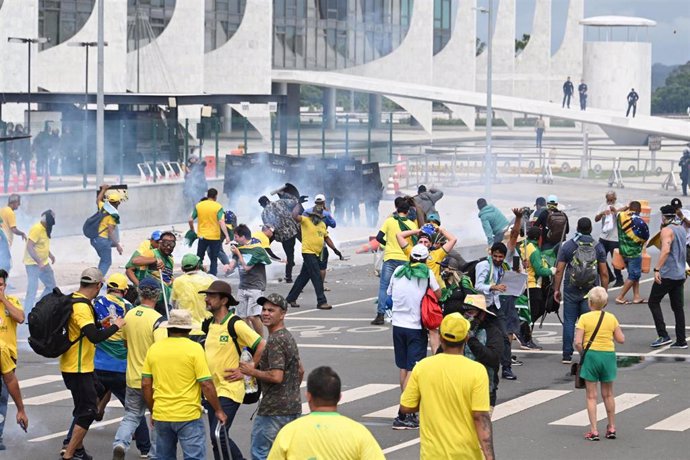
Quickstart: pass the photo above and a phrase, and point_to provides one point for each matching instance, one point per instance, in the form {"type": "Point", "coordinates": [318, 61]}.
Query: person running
{"type": "Point", "coordinates": [8, 219]}
{"type": "Point", "coordinates": [38, 259]}
{"type": "Point", "coordinates": [281, 371]}
{"type": "Point", "coordinates": [669, 278]}
{"type": "Point", "coordinates": [325, 433]}
{"type": "Point", "coordinates": [11, 314]}
{"type": "Point", "coordinates": [10, 382]}
{"type": "Point", "coordinates": [633, 233]}
{"type": "Point", "coordinates": [278, 214]}
{"type": "Point", "coordinates": [77, 363]}
{"type": "Point", "coordinates": [144, 256]}
{"type": "Point", "coordinates": [393, 255]}
{"type": "Point", "coordinates": [609, 232]}
{"type": "Point", "coordinates": [598, 359]}
{"type": "Point", "coordinates": [426, 200]}
{"type": "Point", "coordinates": [141, 330]}
{"type": "Point", "coordinates": [493, 221]}
{"type": "Point", "coordinates": [108, 232]}
{"type": "Point", "coordinates": [313, 236]}
{"type": "Point", "coordinates": [451, 393]}
{"type": "Point", "coordinates": [211, 222]}
{"type": "Point", "coordinates": [173, 377]}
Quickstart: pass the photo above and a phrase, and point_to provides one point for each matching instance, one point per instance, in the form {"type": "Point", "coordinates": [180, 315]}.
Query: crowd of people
{"type": "Point", "coordinates": [165, 341]}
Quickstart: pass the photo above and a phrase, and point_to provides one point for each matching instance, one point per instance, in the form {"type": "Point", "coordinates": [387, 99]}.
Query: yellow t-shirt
{"type": "Point", "coordinates": [105, 223]}
{"type": "Point", "coordinates": [390, 228]}
{"type": "Point", "coordinates": [208, 213]}
{"type": "Point", "coordinates": [79, 357]}
{"type": "Point", "coordinates": [312, 236]}
{"type": "Point", "coordinates": [8, 326]}
{"type": "Point", "coordinates": [325, 436]}
{"type": "Point", "coordinates": [261, 236]}
{"type": "Point", "coordinates": [434, 260]}
{"type": "Point", "coordinates": [176, 365]}
{"type": "Point", "coordinates": [39, 236]}
{"type": "Point", "coordinates": [185, 294]}
{"type": "Point", "coordinates": [604, 339]}
{"type": "Point", "coordinates": [221, 354]}
{"type": "Point", "coordinates": [9, 220]}
{"type": "Point", "coordinates": [145, 249]}
{"type": "Point", "coordinates": [7, 364]}
{"type": "Point", "coordinates": [140, 332]}
{"type": "Point", "coordinates": [448, 388]}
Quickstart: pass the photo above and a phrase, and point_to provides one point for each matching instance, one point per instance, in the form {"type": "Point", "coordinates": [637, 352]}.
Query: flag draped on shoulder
{"type": "Point", "coordinates": [253, 253]}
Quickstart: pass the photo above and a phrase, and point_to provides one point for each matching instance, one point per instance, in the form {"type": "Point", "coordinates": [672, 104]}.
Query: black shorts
{"type": "Point", "coordinates": [83, 389]}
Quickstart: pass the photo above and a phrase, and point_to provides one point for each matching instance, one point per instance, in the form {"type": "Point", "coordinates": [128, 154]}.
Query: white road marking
{"type": "Point", "coordinates": [623, 326]}
{"type": "Point", "coordinates": [294, 313]}
{"type": "Point", "coordinates": [676, 422]}
{"type": "Point", "coordinates": [357, 393]}
{"type": "Point", "coordinates": [43, 379]}
{"type": "Point", "coordinates": [524, 402]}
{"type": "Point", "coordinates": [623, 402]}
{"type": "Point", "coordinates": [647, 280]}
{"type": "Point", "coordinates": [48, 398]}
{"type": "Point", "coordinates": [64, 433]}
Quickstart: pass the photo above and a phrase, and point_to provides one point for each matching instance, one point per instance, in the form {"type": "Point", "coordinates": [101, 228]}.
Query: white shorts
{"type": "Point", "coordinates": [247, 302]}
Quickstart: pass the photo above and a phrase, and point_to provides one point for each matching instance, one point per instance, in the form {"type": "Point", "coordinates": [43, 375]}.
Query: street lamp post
{"type": "Point", "coordinates": [488, 156]}
{"type": "Point", "coordinates": [28, 41]}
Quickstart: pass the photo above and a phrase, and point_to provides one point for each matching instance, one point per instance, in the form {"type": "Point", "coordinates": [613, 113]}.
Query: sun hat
{"type": "Point", "coordinates": [222, 288]}
{"type": "Point", "coordinates": [179, 319]}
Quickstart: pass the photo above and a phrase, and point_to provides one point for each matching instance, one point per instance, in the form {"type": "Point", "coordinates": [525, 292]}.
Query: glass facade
{"type": "Point", "coordinates": [443, 17]}
{"type": "Point", "coordinates": [59, 20]}
{"type": "Point", "coordinates": [146, 20]}
{"type": "Point", "coordinates": [336, 34]}
{"type": "Point", "coordinates": [221, 20]}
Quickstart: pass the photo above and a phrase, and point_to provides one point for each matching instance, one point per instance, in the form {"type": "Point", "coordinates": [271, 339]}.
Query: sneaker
{"type": "Point", "coordinates": [515, 362]}
{"type": "Point", "coordinates": [288, 280]}
{"type": "Point", "coordinates": [532, 346]}
{"type": "Point", "coordinates": [508, 374]}
{"type": "Point", "coordinates": [405, 424]}
{"type": "Point", "coordinates": [119, 452]}
{"type": "Point", "coordinates": [324, 306]}
{"type": "Point", "coordinates": [521, 340]}
{"type": "Point", "coordinates": [415, 417]}
{"type": "Point", "coordinates": [618, 284]}
{"type": "Point", "coordinates": [81, 454]}
{"type": "Point", "coordinates": [675, 344]}
{"type": "Point", "coordinates": [378, 321]}
{"type": "Point", "coordinates": [567, 360]}
{"type": "Point", "coordinates": [293, 304]}
{"type": "Point", "coordinates": [610, 434]}
{"type": "Point", "coordinates": [660, 342]}
{"type": "Point", "coordinates": [143, 455]}
{"type": "Point", "coordinates": [592, 436]}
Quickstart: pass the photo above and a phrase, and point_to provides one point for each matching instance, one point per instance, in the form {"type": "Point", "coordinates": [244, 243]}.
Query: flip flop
{"type": "Point", "coordinates": [622, 302]}
{"type": "Point", "coordinates": [639, 301]}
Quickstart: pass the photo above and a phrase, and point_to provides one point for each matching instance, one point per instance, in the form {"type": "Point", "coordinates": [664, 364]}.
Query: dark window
{"type": "Point", "coordinates": [60, 20]}
{"type": "Point", "coordinates": [221, 21]}
{"type": "Point", "coordinates": [146, 20]}
{"type": "Point", "coordinates": [443, 10]}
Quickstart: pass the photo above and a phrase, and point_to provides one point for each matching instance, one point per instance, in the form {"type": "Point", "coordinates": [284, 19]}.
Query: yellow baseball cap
{"type": "Point", "coordinates": [117, 281]}
{"type": "Point", "coordinates": [454, 327]}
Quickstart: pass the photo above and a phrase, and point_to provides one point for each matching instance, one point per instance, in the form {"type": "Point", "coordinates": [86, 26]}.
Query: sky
{"type": "Point", "coordinates": [670, 38]}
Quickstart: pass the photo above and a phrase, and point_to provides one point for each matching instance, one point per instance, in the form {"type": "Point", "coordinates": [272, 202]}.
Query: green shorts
{"type": "Point", "coordinates": [599, 366]}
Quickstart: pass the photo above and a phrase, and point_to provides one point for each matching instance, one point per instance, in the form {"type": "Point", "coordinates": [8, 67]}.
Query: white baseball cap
{"type": "Point", "coordinates": [419, 252]}
{"type": "Point", "coordinates": [320, 198]}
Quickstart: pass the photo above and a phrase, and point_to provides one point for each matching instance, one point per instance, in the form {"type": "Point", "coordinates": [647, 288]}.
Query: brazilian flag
{"type": "Point", "coordinates": [522, 307]}
{"type": "Point", "coordinates": [633, 233]}
{"type": "Point", "coordinates": [253, 253]}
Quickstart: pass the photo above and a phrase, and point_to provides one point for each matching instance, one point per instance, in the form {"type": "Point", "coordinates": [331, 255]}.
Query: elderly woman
{"type": "Point", "coordinates": [598, 359]}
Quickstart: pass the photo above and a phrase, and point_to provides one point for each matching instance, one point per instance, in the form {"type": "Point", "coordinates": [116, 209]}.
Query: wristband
{"type": "Point", "coordinates": [656, 270]}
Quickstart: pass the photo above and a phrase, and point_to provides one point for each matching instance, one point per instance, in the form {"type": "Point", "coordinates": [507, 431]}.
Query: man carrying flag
{"type": "Point", "coordinates": [633, 233]}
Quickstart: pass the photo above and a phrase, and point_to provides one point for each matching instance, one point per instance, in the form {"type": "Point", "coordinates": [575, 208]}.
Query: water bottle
{"type": "Point", "coordinates": [250, 385]}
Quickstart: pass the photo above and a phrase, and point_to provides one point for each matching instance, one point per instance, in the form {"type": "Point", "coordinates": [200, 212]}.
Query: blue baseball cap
{"type": "Point", "coordinates": [149, 283]}
{"type": "Point", "coordinates": [552, 199]}
{"type": "Point", "coordinates": [156, 235]}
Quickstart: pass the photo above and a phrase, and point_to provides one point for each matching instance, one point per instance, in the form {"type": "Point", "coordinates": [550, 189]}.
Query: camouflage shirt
{"type": "Point", "coordinates": [278, 214]}
{"type": "Point", "coordinates": [282, 398]}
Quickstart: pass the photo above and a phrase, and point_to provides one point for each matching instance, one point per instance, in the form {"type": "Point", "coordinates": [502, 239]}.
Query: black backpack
{"type": "Point", "coordinates": [48, 334]}
{"type": "Point", "coordinates": [556, 223]}
{"type": "Point", "coordinates": [249, 398]}
{"type": "Point", "coordinates": [583, 266]}
{"type": "Point", "coordinates": [90, 227]}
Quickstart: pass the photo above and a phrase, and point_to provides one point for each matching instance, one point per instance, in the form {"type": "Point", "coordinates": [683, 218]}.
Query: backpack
{"type": "Point", "coordinates": [583, 266]}
{"type": "Point", "coordinates": [249, 398]}
{"type": "Point", "coordinates": [90, 227]}
{"type": "Point", "coordinates": [432, 315]}
{"type": "Point", "coordinates": [470, 268]}
{"type": "Point", "coordinates": [48, 334]}
{"type": "Point", "coordinates": [556, 223]}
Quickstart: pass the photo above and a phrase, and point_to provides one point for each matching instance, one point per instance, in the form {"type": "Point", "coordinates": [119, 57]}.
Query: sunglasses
{"type": "Point", "coordinates": [168, 242]}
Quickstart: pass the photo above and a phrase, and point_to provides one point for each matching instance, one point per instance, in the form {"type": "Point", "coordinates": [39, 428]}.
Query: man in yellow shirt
{"type": "Point", "coordinates": [185, 290]}
{"type": "Point", "coordinates": [313, 235]}
{"type": "Point", "coordinates": [11, 314]}
{"type": "Point", "coordinates": [108, 233]}
{"type": "Point", "coordinates": [174, 375]}
{"type": "Point", "coordinates": [37, 259]}
{"type": "Point", "coordinates": [8, 221]}
{"type": "Point", "coordinates": [393, 255]}
{"type": "Point", "coordinates": [9, 381]}
{"type": "Point", "coordinates": [139, 333]}
{"type": "Point", "coordinates": [451, 393]}
{"type": "Point", "coordinates": [211, 222]}
{"type": "Point", "coordinates": [77, 363]}
{"type": "Point", "coordinates": [139, 261]}
{"type": "Point", "coordinates": [223, 356]}
{"type": "Point", "coordinates": [324, 433]}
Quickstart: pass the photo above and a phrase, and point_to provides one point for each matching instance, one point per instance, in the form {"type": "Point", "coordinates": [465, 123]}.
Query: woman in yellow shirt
{"type": "Point", "coordinates": [599, 364]}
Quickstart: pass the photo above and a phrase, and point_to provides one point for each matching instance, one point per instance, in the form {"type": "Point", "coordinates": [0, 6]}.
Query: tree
{"type": "Point", "coordinates": [521, 44]}
{"type": "Point", "coordinates": [674, 96]}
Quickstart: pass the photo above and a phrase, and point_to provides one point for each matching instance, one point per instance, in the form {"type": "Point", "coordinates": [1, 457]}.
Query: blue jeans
{"type": "Point", "coordinates": [230, 408]}
{"type": "Point", "coordinates": [134, 423]}
{"type": "Point", "coordinates": [387, 270]}
{"type": "Point", "coordinates": [189, 434]}
{"type": "Point", "coordinates": [574, 305]}
{"type": "Point", "coordinates": [33, 274]}
{"type": "Point", "coordinates": [5, 255]}
{"type": "Point", "coordinates": [264, 432]}
{"type": "Point", "coordinates": [4, 395]}
{"type": "Point", "coordinates": [103, 247]}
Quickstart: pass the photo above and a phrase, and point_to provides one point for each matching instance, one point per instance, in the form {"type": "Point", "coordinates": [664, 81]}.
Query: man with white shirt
{"type": "Point", "coordinates": [609, 232]}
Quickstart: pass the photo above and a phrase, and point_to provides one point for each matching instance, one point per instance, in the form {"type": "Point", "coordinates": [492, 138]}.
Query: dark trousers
{"type": "Point", "coordinates": [310, 271]}
{"type": "Point", "coordinates": [609, 246]}
{"type": "Point", "coordinates": [540, 135]}
{"type": "Point", "coordinates": [537, 306]}
{"type": "Point", "coordinates": [213, 248]}
{"type": "Point", "coordinates": [566, 99]}
{"type": "Point", "coordinates": [674, 289]}
{"type": "Point", "coordinates": [289, 248]}
{"type": "Point", "coordinates": [633, 106]}
{"type": "Point", "coordinates": [684, 184]}
{"type": "Point", "coordinates": [230, 408]}
{"type": "Point", "coordinates": [372, 212]}
{"type": "Point", "coordinates": [583, 102]}
{"type": "Point", "coordinates": [505, 356]}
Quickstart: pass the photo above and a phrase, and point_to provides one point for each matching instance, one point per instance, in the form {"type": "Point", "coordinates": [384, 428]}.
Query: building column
{"type": "Point", "coordinates": [226, 113]}
{"type": "Point", "coordinates": [375, 110]}
{"type": "Point", "coordinates": [329, 103]}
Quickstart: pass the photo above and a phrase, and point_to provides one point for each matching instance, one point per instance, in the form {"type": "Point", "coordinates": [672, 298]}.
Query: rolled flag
{"type": "Point", "coordinates": [190, 237]}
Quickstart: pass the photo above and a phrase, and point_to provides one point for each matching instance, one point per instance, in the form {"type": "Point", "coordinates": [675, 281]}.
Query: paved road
{"type": "Point", "coordinates": [540, 412]}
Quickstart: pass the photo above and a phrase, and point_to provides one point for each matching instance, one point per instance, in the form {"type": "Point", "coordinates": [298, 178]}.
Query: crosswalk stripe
{"type": "Point", "coordinates": [64, 433]}
{"type": "Point", "coordinates": [48, 378]}
{"type": "Point", "coordinates": [357, 393]}
{"type": "Point", "coordinates": [388, 412]}
{"type": "Point", "coordinates": [524, 402]}
{"type": "Point", "coordinates": [48, 398]}
{"type": "Point", "coordinates": [676, 422]}
{"type": "Point", "coordinates": [623, 402]}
